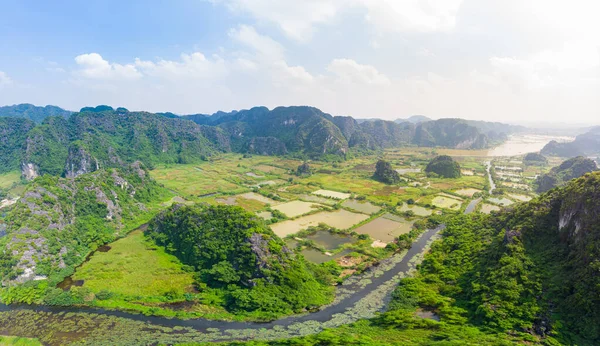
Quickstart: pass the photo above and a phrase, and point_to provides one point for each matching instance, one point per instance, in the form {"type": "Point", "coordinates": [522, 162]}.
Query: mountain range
{"type": "Point", "coordinates": [40, 140]}
{"type": "Point", "coordinates": [587, 143]}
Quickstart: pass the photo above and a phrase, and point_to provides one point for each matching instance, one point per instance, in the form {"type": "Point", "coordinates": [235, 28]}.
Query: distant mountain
{"type": "Point", "coordinates": [34, 113]}
{"type": "Point", "coordinates": [302, 129]}
{"type": "Point", "coordinates": [570, 169]}
{"type": "Point", "coordinates": [415, 119]}
{"type": "Point", "coordinates": [584, 144]}
{"type": "Point", "coordinates": [102, 137]}
{"type": "Point", "coordinates": [97, 137]}
{"type": "Point", "coordinates": [452, 133]}
{"type": "Point", "coordinates": [380, 134]}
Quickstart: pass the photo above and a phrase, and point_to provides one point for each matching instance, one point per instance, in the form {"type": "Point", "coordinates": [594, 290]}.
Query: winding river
{"type": "Point", "coordinates": [354, 300]}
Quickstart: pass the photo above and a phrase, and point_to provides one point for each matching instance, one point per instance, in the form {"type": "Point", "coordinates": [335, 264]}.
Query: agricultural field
{"type": "Point", "coordinates": [339, 213]}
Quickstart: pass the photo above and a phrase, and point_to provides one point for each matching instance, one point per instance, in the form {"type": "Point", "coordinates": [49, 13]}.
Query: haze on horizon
{"type": "Point", "coordinates": [512, 61]}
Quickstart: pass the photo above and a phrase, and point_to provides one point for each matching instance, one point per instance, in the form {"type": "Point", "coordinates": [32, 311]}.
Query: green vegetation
{"type": "Point", "coordinates": [535, 159]}
{"type": "Point", "coordinates": [18, 341]}
{"type": "Point", "coordinates": [135, 267]}
{"type": "Point", "coordinates": [59, 221]}
{"type": "Point", "coordinates": [34, 113]}
{"type": "Point", "coordinates": [14, 132]}
{"type": "Point", "coordinates": [303, 170]}
{"type": "Point", "coordinates": [451, 133]}
{"type": "Point", "coordinates": [232, 250]}
{"type": "Point", "coordinates": [570, 169]}
{"type": "Point", "coordinates": [385, 173]}
{"type": "Point", "coordinates": [444, 166]}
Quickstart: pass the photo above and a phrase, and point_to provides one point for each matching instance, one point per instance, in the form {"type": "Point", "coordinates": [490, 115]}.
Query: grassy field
{"type": "Point", "coordinates": [8, 179]}
{"type": "Point", "coordinates": [135, 267]}
{"type": "Point", "coordinates": [18, 341]}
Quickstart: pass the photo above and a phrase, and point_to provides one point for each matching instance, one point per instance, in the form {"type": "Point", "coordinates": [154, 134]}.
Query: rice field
{"type": "Point", "coordinates": [267, 215]}
{"type": "Point", "coordinates": [488, 208]}
{"type": "Point", "coordinates": [296, 208]}
{"type": "Point", "coordinates": [257, 197]}
{"type": "Point", "coordinates": [340, 219]}
{"type": "Point", "coordinates": [500, 201]}
{"type": "Point", "coordinates": [332, 194]}
{"type": "Point", "coordinates": [467, 192]}
{"type": "Point", "coordinates": [418, 210]}
{"type": "Point", "coordinates": [384, 229]}
{"type": "Point", "coordinates": [361, 207]}
{"type": "Point", "coordinates": [446, 202]}
{"type": "Point", "coordinates": [522, 198]}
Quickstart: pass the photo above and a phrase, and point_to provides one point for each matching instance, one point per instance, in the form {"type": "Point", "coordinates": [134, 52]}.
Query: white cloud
{"type": "Point", "coordinates": [195, 66]}
{"type": "Point", "coordinates": [4, 79]}
{"type": "Point", "coordinates": [266, 47]}
{"type": "Point", "coordinates": [574, 65]}
{"type": "Point", "coordinates": [412, 15]}
{"type": "Point", "coordinates": [93, 66]}
{"type": "Point", "coordinates": [299, 19]}
{"type": "Point", "coordinates": [349, 70]}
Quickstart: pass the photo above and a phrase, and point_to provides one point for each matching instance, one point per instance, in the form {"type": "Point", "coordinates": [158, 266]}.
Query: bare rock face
{"type": "Point", "coordinates": [29, 171]}
{"type": "Point", "coordinates": [79, 162]}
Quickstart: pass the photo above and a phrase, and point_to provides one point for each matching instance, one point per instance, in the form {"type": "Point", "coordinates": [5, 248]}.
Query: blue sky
{"type": "Point", "coordinates": [510, 60]}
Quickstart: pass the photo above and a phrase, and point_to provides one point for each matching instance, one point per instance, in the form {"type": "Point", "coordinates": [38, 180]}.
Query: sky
{"type": "Point", "coordinates": [502, 60]}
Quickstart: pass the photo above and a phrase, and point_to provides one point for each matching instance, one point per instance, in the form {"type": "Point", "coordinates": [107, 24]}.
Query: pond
{"type": "Point", "coordinates": [296, 208]}
{"type": "Point", "coordinates": [340, 219]}
{"type": "Point", "coordinates": [361, 207]}
{"type": "Point", "coordinates": [328, 240]}
{"type": "Point", "coordinates": [384, 229]}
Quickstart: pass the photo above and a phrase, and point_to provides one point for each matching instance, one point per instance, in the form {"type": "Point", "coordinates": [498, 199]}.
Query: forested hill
{"type": "Point", "coordinates": [68, 144]}
{"type": "Point", "coordinates": [102, 137]}
{"type": "Point", "coordinates": [290, 127]}
{"type": "Point", "coordinates": [58, 221]}
{"type": "Point", "coordinates": [34, 113]}
{"type": "Point", "coordinates": [532, 270]}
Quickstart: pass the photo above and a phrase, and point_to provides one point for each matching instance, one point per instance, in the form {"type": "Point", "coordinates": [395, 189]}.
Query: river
{"type": "Point", "coordinates": [524, 143]}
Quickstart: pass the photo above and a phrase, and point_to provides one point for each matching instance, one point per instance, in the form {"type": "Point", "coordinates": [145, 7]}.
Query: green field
{"type": "Point", "coordinates": [8, 179]}
{"type": "Point", "coordinates": [18, 341]}
{"type": "Point", "coordinates": [134, 267]}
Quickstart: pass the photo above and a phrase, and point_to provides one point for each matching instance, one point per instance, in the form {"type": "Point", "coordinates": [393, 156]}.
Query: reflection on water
{"type": "Point", "coordinates": [328, 240]}
{"type": "Point", "coordinates": [523, 144]}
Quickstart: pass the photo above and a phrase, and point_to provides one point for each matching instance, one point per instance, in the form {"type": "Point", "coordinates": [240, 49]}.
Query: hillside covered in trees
{"type": "Point", "coordinates": [50, 140]}
{"type": "Point", "coordinates": [569, 169]}
{"type": "Point", "coordinates": [444, 166]}
{"type": "Point", "coordinates": [233, 250]}
{"type": "Point", "coordinates": [58, 221]}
